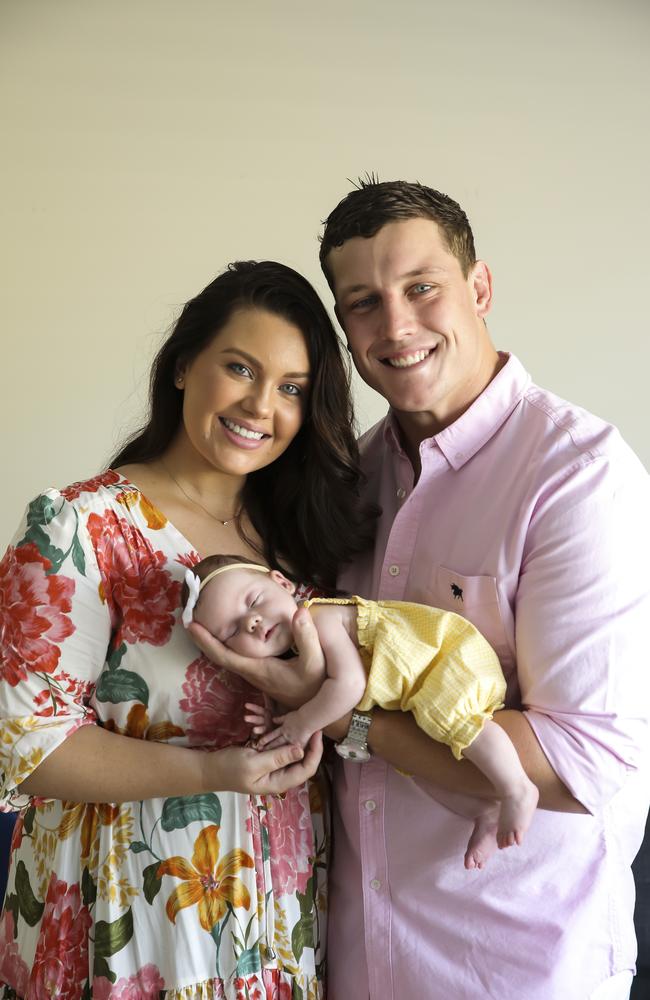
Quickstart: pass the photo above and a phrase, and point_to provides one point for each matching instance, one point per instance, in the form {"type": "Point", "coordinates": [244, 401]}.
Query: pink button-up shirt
{"type": "Point", "coordinates": [530, 517]}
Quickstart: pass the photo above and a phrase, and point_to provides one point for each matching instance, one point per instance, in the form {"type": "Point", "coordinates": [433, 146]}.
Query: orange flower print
{"type": "Point", "coordinates": [208, 881]}
{"type": "Point", "coordinates": [138, 726]}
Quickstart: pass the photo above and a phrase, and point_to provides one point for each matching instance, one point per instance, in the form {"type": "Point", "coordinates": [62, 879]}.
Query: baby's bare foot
{"type": "Point", "coordinates": [483, 842]}
{"type": "Point", "coordinates": [516, 813]}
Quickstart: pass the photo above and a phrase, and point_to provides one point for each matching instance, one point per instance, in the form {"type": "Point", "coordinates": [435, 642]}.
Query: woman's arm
{"type": "Point", "coordinates": [94, 765]}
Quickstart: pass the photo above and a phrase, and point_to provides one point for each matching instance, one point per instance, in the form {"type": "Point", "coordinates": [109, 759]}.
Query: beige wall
{"type": "Point", "coordinates": [146, 143]}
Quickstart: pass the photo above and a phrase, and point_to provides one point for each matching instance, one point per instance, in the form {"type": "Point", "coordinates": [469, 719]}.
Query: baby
{"type": "Point", "coordinates": [393, 654]}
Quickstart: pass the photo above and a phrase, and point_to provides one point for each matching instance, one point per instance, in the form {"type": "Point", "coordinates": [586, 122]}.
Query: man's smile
{"type": "Point", "coordinates": [408, 360]}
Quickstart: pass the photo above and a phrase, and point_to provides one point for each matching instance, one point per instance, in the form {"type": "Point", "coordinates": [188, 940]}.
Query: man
{"type": "Point", "coordinates": [528, 516]}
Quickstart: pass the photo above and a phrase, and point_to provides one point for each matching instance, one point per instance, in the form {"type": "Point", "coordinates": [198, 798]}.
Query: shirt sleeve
{"type": "Point", "coordinates": [54, 633]}
{"type": "Point", "coordinates": [582, 618]}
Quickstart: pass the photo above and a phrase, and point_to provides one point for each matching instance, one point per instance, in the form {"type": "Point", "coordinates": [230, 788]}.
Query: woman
{"type": "Point", "coordinates": [156, 854]}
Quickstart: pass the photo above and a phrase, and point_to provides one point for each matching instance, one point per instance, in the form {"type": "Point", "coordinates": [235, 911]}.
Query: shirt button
{"type": "Point", "coordinates": [401, 493]}
{"type": "Point", "coordinates": [459, 455]}
{"type": "Point", "coordinates": [393, 570]}
{"type": "Point", "coordinates": [375, 883]}
{"type": "Point", "coordinates": [370, 805]}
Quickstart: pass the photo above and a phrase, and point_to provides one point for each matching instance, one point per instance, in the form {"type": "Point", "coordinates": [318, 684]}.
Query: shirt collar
{"type": "Point", "coordinates": [461, 440]}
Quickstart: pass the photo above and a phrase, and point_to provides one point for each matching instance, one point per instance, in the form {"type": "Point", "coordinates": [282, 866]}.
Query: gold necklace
{"type": "Point", "coordinates": [197, 503]}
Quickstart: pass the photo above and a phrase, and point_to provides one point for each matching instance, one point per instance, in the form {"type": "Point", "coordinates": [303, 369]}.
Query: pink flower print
{"type": "Point", "coordinates": [33, 614]}
{"type": "Point", "coordinates": [214, 705]}
{"type": "Point", "coordinates": [108, 478]}
{"type": "Point", "coordinates": [141, 593]}
{"type": "Point", "coordinates": [61, 961]}
{"type": "Point", "coordinates": [291, 841]}
{"type": "Point", "coordinates": [13, 970]}
{"type": "Point", "coordinates": [145, 984]}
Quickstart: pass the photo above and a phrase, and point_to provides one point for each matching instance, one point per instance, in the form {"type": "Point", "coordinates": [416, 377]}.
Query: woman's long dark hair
{"type": "Point", "coordinates": [306, 506]}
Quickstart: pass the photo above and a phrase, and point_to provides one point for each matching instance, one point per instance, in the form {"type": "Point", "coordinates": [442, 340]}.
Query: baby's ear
{"type": "Point", "coordinates": [282, 581]}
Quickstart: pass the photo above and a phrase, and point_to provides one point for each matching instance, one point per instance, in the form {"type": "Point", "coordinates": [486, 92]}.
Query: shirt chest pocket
{"type": "Point", "coordinates": [475, 598]}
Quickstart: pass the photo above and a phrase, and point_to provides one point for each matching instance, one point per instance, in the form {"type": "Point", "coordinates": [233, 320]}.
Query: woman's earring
{"type": "Point", "coordinates": [179, 381]}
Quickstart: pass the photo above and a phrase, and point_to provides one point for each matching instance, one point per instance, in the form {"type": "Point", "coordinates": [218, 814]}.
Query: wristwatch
{"type": "Point", "coordinates": [355, 745]}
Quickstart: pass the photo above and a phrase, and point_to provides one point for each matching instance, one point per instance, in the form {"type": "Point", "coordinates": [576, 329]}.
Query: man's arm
{"type": "Point", "coordinates": [582, 607]}
{"type": "Point", "coordinates": [395, 737]}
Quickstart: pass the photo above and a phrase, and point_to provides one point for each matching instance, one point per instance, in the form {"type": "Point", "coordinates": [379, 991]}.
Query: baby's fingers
{"type": "Point", "coordinates": [275, 738]}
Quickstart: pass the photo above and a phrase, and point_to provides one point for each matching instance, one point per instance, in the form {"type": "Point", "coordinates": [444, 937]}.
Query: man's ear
{"type": "Point", "coordinates": [282, 581]}
{"type": "Point", "coordinates": [481, 284]}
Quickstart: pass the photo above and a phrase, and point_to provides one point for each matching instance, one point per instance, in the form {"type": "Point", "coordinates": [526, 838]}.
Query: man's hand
{"type": "Point", "coordinates": [292, 682]}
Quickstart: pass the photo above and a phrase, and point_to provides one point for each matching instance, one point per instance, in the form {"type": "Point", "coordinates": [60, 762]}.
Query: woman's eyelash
{"type": "Point", "coordinates": [237, 367]}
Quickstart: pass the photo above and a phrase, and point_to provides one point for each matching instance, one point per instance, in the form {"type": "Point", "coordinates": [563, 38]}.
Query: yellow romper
{"type": "Point", "coordinates": [432, 663]}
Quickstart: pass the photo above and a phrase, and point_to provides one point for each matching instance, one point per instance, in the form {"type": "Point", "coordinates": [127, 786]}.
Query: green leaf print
{"type": "Point", "coordinates": [249, 962]}
{"type": "Point", "coordinates": [302, 936]}
{"type": "Point", "coordinates": [88, 888]}
{"type": "Point", "coordinates": [78, 556]}
{"type": "Point", "coordinates": [296, 991]}
{"type": "Point", "coordinates": [111, 938]}
{"type": "Point", "coordinates": [306, 899]}
{"type": "Point", "coordinates": [152, 882]}
{"type": "Point", "coordinates": [266, 848]}
{"type": "Point", "coordinates": [28, 820]}
{"type": "Point", "coordinates": [114, 658]}
{"type": "Point", "coordinates": [41, 540]}
{"type": "Point", "coordinates": [41, 511]}
{"type": "Point", "coordinates": [122, 685]}
{"type": "Point", "coordinates": [180, 811]}
{"type": "Point", "coordinates": [103, 969]}
{"type": "Point", "coordinates": [138, 846]}
{"type": "Point", "coordinates": [30, 907]}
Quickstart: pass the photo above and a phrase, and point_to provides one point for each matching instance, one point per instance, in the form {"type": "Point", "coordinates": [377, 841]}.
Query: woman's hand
{"type": "Point", "coordinates": [292, 682]}
{"type": "Point", "coordinates": [266, 772]}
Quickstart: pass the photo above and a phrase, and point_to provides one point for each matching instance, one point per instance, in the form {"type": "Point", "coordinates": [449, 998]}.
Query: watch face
{"type": "Point", "coordinates": [350, 750]}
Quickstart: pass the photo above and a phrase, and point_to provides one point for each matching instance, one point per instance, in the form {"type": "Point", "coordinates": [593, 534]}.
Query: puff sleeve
{"type": "Point", "coordinates": [55, 629]}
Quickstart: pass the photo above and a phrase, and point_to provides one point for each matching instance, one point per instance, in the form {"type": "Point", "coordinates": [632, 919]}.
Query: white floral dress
{"type": "Point", "coordinates": [204, 896]}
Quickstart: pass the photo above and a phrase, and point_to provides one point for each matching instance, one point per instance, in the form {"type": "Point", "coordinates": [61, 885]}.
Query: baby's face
{"type": "Point", "coordinates": [250, 612]}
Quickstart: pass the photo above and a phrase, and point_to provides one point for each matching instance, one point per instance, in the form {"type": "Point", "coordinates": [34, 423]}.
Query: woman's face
{"type": "Point", "coordinates": [245, 394]}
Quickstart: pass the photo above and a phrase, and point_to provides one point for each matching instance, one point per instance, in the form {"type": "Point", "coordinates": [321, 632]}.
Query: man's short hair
{"type": "Point", "coordinates": [372, 204]}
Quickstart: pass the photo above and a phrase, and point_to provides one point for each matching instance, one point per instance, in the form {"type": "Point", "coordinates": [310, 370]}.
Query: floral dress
{"type": "Point", "coordinates": [203, 896]}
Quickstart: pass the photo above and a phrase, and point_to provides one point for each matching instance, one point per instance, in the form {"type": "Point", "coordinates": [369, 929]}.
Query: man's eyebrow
{"type": "Point", "coordinates": [414, 273]}
{"type": "Point", "coordinates": [255, 361]}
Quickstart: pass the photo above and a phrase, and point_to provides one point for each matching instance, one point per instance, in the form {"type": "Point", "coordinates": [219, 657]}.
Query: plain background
{"type": "Point", "coordinates": [146, 143]}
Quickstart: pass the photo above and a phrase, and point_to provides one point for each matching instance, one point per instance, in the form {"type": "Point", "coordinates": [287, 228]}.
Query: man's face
{"type": "Point", "coordinates": [250, 612]}
{"type": "Point", "coordinates": [414, 322]}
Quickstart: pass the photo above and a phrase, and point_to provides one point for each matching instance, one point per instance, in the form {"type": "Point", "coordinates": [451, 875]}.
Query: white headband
{"type": "Point", "coordinates": [195, 585]}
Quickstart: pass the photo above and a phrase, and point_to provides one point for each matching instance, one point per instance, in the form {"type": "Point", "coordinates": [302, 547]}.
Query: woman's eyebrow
{"type": "Point", "coordinates": [244, 354]}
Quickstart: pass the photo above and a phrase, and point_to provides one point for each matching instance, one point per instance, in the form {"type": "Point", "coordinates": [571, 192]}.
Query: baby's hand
{"type": "Point", "coordinates": [259, 717]}
{"type": "Point", "coordinates": [290, 730]}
